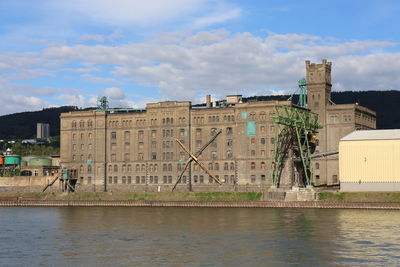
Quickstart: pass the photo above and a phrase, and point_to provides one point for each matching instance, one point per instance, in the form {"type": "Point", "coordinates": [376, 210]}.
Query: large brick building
{"type": "Point", "coordinates": [136, 149]}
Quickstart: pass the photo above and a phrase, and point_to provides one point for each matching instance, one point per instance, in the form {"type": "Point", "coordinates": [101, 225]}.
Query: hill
{"type": "Point", "coordinates": [23, 125]}
{"type": "Point", "coordinates": [384, 103]}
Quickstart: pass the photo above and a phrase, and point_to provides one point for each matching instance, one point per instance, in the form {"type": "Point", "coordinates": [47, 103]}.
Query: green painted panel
{"type": "Point", "coordinates": [251, 128]}
{"type": "Point", "coordinates": [89, 161]}
{"type": "Point", "coordinates": [244, 115]}
{"type": "Point", "coordinates": [185, 133]}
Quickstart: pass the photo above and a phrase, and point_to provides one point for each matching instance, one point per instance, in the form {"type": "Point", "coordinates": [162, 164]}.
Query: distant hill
{"type": "Point", "coordinates": [23, 125]}
{"type": "Point", "coordinates": [385, 103]}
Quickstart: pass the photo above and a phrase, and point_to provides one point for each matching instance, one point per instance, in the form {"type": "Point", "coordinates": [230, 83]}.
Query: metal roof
{"type": "Point", "coordinates": [372, 135]}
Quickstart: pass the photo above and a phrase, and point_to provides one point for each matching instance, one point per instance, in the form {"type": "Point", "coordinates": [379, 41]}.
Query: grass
{"type": "Point", "coordinates": [360, 196]}
{"type": "Point", "coordinates": [161, 196]}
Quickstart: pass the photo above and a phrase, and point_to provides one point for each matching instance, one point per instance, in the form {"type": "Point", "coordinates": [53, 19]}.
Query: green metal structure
{"type": "Point", "coordinates": [295, 129]}
{"type": "Point", "coordinates": [102, 104]}
{"type": "Point", "coordinates": [302, 92]}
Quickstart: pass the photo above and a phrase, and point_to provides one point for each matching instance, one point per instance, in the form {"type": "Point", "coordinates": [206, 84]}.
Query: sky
{"type": "Point", "coordinates": [55, 52]}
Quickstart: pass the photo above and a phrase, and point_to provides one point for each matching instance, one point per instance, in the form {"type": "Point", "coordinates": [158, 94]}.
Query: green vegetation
{"type": "Point", "coordinates": [36, 150]}
{"type": "Point", "coordinates": [162, 196]}
{"type": "Point", "coordinates": [360, 196]}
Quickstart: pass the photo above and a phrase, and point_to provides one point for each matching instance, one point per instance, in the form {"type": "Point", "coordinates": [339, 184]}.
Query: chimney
{"type": "Point", "coordinates": [208, 101]}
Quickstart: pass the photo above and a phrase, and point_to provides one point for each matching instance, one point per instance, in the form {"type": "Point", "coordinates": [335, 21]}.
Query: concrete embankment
{"type": "Point", "coordinates": [209, 204]}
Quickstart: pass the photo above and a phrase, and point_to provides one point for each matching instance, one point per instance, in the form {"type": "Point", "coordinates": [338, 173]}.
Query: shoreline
{"type": "Point", "coordinates": [20, 202]}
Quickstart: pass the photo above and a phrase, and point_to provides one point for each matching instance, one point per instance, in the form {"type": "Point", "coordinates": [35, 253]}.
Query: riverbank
{"type": "Point", "coordinates": [20, 202]}
{"type": "Point", "coordinates": [196, 199]}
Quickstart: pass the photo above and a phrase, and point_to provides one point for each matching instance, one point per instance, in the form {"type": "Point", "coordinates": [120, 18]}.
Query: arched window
{"type": "Point", "coordinates": [115, 168]}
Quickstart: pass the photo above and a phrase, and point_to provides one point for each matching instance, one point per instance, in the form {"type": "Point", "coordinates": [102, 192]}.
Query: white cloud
{"type": "Point", "coordinates": [114, 93]}
{"type": "Point", "coordinates": [185, 66]}
{"type": "Point", "coordinates": [217, 18]}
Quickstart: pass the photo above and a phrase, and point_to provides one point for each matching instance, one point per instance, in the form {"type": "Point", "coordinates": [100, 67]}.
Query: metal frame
{"type": "Point", "coordinates": [294, 125]}
{"type": "Point", "coordinates": [195, 157]}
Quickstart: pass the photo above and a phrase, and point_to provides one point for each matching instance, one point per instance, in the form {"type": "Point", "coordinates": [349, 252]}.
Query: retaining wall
{"type": "Point", "coordinates": [209, 204]}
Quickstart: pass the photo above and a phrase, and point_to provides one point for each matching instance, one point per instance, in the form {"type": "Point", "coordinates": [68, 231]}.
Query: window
{"type": "Point", "coordinates": [213, 131]}
{"type": "Point", "coordinates": [143, 180]}
{"type": "Point", "coordinates": [153, 155]}
{"type": "Point", "coordinates": [140, 156]}
{"type": "Point", "coordinates": [198, 143]}
{"type": "Point", "coordinates": [156, 179]}
{"type": "Point", "coordinates": [115, 179]}
{"type": "Point", "coordinates": [317, 177]}
{"type": "Point", "coordinates": [165, 179]}
{"type": "Point", "coordinates": [226, 166]}
{"type": "Point", "coordinates": [74, 147]}
{"type": "Point", "coordinates": [115, 168]}
{"type": "Point", "coordinates": [138, 179]}
{"type": "Point", "coordinates": [198, 132]}
{"type": "Point", "coordinates": [153, 144]}
{"type": "Point", "coordinates": [182, 132]}
{"type": "Point", "coordinates": [232, 166]}
{"type": "Point", "coordinates": [113, 146]}
{"type": "Point", "coordinates": [110, 180]}
{"type": "Point", "coordinates": [113, 135]}
{"type": "Point", "coordinates": [262, 129]}
{"type": "Point", "coordinates": [90, 135]}
{"type": "Point", "coordinates": [252, 165]}
{"type": "Point", "coordinates": [195, 179]}
{"type": "Point", "coordinates": [89, 169]}
{"type": "Point", "coordinates": [253, 141]}
{"type": "Point", "coordinates": [124, 179]}
{"type": "Point", "coordinates": [263, 179]}
{"type": "Point", "coordinates": [229, 154]}
{"type": "Point", "coordinates": [127, 135]}
{"type": "Point", "coordinates": [262, 153]}
{"type": "Point", "coordinates": [127, 157]}
{"type": "Point", "coordinates": [229, 131]}
{"type": "Point", "coordinates": [253, 153]}
{"type": "Point", "coordinates": [253, 178]}
{"type": "Point", "coordinates": [272, 140]}
{"type": "Point", "coordinates": [141, 145]}
{"type": "Point", "coordinates": [129, 179]}
{"type": "Point", "coordinates": [82, 147]}
{"type": "Point", "coordinates": [216, 167]}
{"type": "Point", "coordinates": [317, 166]}
{"type": "Point", "coordinates": [170, 179]}
{"type": "Point", "coordinates": [334, 178]}
{"type": "Point", "coordinates": [141, 135]}
{"type": "Point", "coordinates": [210, 166]}
{"type": "Point", "coordinates": [262, 141]}
{"type": "Point", "coordinates": [89, 180]}
{"type": "Point", "coordinates": [113, 157]}
{"type": "Point", "coordinates": [170, 167]}
{"type": "Point", "coordinates": [201, 179]}
{"type": "Point", "coordinates": [229, 142]}
{"type": "Point", "coordinates": [213, 155]}
{"type": "Point", "coordinates": [262, 166]}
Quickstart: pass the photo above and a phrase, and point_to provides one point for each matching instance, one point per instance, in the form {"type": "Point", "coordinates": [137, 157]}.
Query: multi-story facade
{"type": "Point", "coordinates": [133, 149]}
{"type": "Point", "coordinates": [137, 149]}
{"type": "Point", "coordinates": [337, 121]}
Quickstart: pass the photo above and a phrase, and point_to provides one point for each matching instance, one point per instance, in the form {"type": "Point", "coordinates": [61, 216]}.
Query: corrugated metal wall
{"type": "Point", "coordinates": [369, 161]}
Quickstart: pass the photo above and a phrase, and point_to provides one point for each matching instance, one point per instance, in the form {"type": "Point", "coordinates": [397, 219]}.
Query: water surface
{"type": "Point", "coordinates": [132, 236]}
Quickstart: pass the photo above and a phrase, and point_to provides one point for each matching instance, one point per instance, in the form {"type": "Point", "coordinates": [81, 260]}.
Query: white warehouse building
{"type": "Point", "coordinates": [370, 161]}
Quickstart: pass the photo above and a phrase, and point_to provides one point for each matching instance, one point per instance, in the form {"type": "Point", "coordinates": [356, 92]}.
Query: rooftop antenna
{"type": "Point", "coordinates": [102, 104]}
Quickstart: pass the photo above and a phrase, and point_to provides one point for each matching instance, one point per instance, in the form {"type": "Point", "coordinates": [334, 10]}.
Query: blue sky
{"type": "Point", "coordinates": [56, 53]}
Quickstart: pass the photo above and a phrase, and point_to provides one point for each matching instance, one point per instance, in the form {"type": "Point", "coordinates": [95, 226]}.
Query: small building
{"type": "Point", "coordinates": [43, 130]}
{"type": "Point", "coordinates": [369, 161]}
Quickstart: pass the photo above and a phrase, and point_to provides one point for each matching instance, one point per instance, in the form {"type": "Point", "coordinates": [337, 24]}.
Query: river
{"type": "Point", "coordinates": [131, 236]}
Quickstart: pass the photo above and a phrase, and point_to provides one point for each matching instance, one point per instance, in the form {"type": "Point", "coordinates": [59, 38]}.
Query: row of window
{"type": "Point", "coordinates": [82, 136]}
{"type": "Point", "coordinates": [82, 124]}
{"type": "Point", "coordinates": [197, 179]}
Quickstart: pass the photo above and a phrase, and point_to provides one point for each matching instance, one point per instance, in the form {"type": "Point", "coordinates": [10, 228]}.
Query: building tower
{"type": "Point", "coordinates": [319, 86]}
{"type": "Point", "coordinates": [42, 130]}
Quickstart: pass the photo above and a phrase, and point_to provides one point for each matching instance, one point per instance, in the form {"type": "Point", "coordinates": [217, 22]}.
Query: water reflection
{"type": "Point", "coordinates": [197, 236]}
